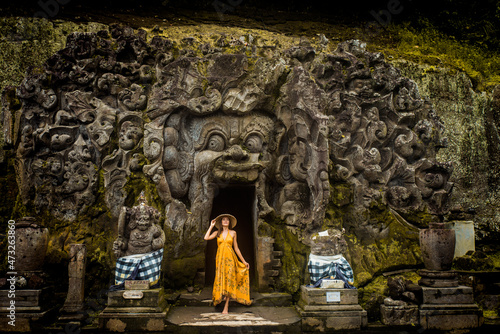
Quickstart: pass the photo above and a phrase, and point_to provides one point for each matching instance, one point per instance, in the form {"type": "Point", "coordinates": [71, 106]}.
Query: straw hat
{"type": "Point", "coordinates": [232, 220]}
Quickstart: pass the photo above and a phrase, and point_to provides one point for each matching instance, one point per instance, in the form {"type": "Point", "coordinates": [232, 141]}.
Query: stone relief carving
{"type": "Point", "coordinates": [291, 126]}
{"type": "Point", "coordinates": [139, 231]}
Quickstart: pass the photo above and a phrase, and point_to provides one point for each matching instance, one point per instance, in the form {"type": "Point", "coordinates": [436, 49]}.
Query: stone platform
{"type": "Point", "coordinates": [330, 309]}
{"type": "Point", "coordinates": [28, 309]}
{"type": "Point", "coordinates": [241, 319]}
{"type": "Point", "coordinates": [125, 314]}
{"type": "Point", "coordinates": [449, 309]}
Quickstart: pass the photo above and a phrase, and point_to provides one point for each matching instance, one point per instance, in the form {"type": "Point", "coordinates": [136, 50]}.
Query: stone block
{"type": "Point", "coordinates": [453, 295]}
{"type": "Point", "coordinates": [450, 317]}
{"type": "Point", "coordinates": [151, 299]}
{"type": "Point", "coordinates": [406, 315]}
{"type": "Point", "coordinates": [324, 310]}
{"type": "Point", "coordinates": [145, 314]}
{"type": "Point", "coordinates": [315, 296]}
{"type": "Point", "coordinates": [149, 322]}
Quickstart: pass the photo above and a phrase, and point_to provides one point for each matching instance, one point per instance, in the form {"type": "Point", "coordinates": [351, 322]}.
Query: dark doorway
{"type": "Point", "coordinates": [238, 201]}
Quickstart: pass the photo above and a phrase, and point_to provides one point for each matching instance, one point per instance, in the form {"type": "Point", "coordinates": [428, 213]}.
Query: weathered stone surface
{"type": "Point", "coordinates": [151, 298]}
{"type": "Point", "coordinates": [319, 314]}
{"type": "Point", "coordinates": [316, 296]}
{"type": "Point", "coordinates": [405, 315]}
{"type": "Point", "coordinates": [76, 287]}
{"type": "Point", "coordinates": [138, 230]}
{"type": "Point", "coordinates": [145, 314]}
{"type": "Point", "coordinates": [458, 295]}
{"type": "Point", "coordinates": [450, 317]}
{"type": "Point", "coordinates": [295, 126]}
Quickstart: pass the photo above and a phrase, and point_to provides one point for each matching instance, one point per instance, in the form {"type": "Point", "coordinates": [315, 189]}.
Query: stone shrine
{"type": "Point", "coordinates": [139, 305]}
{"type": "Point", "coordinates": [327, 309]}
{"type": "Point", "coordinates": [445, 304]}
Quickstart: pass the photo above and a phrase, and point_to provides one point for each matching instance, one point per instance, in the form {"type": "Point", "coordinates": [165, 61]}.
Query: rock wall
{"type": "Point", "coordinates": [376, 198]}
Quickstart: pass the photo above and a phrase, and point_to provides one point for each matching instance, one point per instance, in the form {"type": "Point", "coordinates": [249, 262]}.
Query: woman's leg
{"type": "Point", "coordinates": [226, 306]}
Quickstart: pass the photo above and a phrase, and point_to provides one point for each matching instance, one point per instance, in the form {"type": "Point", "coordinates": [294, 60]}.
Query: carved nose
{"type": "Point", "coordinates": [236, 153]}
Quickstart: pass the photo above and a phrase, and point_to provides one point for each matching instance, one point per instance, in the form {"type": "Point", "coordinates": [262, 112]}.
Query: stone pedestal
{"type": "Point", "coordinates": [401, 315]}
{"type": "Point", "coordinates": [438, 279]}
{"type": "Point", "coordinates": [330, 309]}
{"type": "Point", "coordinates": [27, 308]}
{"type": "Point", "coordinates": [134, 310]}
{"type": "Point", "coordinates": [449, 308]}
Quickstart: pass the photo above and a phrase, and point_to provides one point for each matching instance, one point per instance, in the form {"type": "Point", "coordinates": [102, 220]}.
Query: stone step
{"type": "Point", "coordinates": [241, 319]}
{"type": "Point", "coordinates": [204, 298]}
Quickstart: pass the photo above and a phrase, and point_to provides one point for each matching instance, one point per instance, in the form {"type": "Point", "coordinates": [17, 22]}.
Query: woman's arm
{"type": "Point", "coordinates": [237, 250]}
{"type": "Point", "coordinates": [209, 236]}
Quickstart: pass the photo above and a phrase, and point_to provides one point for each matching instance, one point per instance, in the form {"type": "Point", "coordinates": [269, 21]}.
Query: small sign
{"type": "Point", "coordinates": [333, 297]}
{"type": "Point", "coordinates": [136, 284]}
{"type": "Point", "coordinates": [132, 294]}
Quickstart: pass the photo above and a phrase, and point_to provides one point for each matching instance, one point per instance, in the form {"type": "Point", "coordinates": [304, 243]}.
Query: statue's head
{"type": "Point", "coordinates": [130, 135]}
{"type": "Point", "coordinates": [143, 217]}
{"type": "Point", "coordinates": [236, 146]}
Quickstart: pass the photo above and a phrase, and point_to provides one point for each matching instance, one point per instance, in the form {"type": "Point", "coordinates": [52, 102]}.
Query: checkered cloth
{"type": "Point", "coordinates": [139, 267]}
{"type": "Point", "coordinates": [330, 266]}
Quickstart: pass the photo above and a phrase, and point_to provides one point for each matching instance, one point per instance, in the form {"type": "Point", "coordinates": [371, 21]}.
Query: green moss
{"type": "Point", "coordinates": [181, 272]}
{"type": "Point", "coordinates": [394, 247]}
{"type": "Point", "coordinates": [294, 261]}
{"type": "Point", "coordinates": [429, 46]}
{"type": "Point", "coordinates": [372, 295]}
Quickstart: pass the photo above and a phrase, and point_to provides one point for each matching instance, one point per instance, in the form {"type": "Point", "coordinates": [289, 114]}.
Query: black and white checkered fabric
{"type": "Point", "coordinates": [139, 267]}
{"type": "Point", "coordinates": [328, 266]}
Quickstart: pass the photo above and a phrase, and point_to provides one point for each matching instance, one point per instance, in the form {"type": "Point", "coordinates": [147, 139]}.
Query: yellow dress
{"type": "Point", "coordinates": [231, 276]}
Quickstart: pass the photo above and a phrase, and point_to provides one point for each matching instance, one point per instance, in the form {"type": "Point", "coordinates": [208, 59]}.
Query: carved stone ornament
{"type": "Point", "coordinates": [139, 231]}
{"type": "Point", "coordinates": [194, 120]}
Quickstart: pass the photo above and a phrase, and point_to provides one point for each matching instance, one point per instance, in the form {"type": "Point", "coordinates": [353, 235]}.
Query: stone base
{"type": "Point", "coordinates": [145, 314]}
{"type": "Point", "coordinates": [449, 309]}
{"type": "Point", "coordinates": [406, 315]}
{"type": "Point", "coordinates": [330, 309]}
{"type": "Point", "coordinates": [127, 322]}
{"type": "Point", "coordinates": [27, 309]}
{"type": "Point", "coordinates": [24, 321]}
{"type": "Point", "coordinates": [438, 279]}
{"type": "Point", "coordinates": [452, 317]}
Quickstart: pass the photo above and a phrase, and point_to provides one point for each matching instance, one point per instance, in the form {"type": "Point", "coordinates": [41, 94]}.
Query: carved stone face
{"type": "Point", "coordinates": [100, 130]}
{"type": "Point", "coordinates": [143, 221]}
{"type": "Point", "coordinates": [130, 135]}
{"type": "Point", "coordinates": [235, 146]}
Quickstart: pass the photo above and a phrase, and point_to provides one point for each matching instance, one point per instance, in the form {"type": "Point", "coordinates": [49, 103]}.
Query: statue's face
{"type": "Point", "coordinates": [143, 221]}
{"type": "Point", "coordinates": [236, 145]}
{"type": "Point", "coordinates": [130, 135]}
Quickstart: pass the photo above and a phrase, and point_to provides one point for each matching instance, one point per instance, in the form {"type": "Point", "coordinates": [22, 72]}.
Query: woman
{"type": "Point", "coordinates": [231, 275]}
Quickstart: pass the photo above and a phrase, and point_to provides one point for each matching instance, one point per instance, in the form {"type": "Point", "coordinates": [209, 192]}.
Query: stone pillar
{"type": "Point", "coordinates": [73, 306]}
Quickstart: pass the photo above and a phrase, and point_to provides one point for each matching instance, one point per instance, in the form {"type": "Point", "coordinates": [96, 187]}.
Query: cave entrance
{"type": "Point", "coordinates": [240, 201]}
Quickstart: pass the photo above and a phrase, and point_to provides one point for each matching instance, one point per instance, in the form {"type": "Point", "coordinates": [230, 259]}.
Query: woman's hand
{"type": "Point", "coordinates": [212, 223]}
{"type": "Point", "coordinates": [246, 265]}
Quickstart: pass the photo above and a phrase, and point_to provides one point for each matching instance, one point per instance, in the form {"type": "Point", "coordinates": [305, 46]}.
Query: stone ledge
{"type": "Point", "coordinates": [451, 295]}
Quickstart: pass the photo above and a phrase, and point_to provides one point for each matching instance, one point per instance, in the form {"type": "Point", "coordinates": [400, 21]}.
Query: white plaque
{"type": "Point", "coordinates": [132, 294]}
{"type": "Point", "coordinates": [333, 297]}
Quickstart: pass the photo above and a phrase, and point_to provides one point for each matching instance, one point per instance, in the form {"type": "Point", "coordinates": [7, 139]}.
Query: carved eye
{"type": "Point", "coordinates": [216, 143]}
{"type": "Point", "coordinates": [254, 143]}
